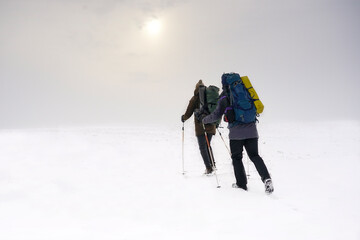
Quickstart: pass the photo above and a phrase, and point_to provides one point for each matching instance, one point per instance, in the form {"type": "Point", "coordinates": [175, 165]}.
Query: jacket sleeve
{"type": "Point", "coordinates": [190, 109]}
{"type": "Point", "coordinates": [223, 103]}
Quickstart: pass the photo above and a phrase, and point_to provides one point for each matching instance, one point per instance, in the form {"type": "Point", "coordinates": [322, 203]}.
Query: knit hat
{"type": "Point", "coordinates": [223, 80]}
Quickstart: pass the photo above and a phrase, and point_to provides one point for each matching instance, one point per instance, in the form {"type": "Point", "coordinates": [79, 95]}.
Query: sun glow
{"type": "Point", "coordinates": [153, 27]}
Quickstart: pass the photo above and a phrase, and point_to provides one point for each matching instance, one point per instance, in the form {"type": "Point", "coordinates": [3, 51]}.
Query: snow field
{"type": "Point", "coordinates": [127, 183]}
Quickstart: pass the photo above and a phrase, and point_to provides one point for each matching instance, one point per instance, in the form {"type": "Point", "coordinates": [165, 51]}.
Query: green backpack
{"type": "Point", "coordinates": [209, 97]}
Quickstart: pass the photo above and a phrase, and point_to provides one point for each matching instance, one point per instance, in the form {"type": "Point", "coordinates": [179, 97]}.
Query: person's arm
{"type": "Point", "coordinates": [190, 109]}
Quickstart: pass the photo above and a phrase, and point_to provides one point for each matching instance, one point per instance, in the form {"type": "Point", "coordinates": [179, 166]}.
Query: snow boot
{"type": "Point", "coordinates": [208, 171]}
{"type": "Point", "coordinates": [234, 185]}
{"type": "Point", "coordinates": [269, 188]}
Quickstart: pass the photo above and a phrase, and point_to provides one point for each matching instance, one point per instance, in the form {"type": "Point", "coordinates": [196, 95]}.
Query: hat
{"type": "Point", "coordinates": [223, 80]}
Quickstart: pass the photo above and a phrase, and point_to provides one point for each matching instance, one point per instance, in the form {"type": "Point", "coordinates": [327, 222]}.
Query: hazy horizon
{"type": "Point", "coordinates": [71, 63]}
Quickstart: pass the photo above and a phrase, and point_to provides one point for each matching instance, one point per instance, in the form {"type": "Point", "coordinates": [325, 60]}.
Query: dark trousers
{"type": "Point", "coordinates": [251, 147]}
{"type": "Point", "coordinates": [204, 149]}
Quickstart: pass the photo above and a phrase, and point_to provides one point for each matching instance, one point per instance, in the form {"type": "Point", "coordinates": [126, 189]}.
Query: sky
{"type": "Point", "coordinates": [102, 62]}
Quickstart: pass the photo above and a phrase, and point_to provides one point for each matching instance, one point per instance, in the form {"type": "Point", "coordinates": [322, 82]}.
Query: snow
{"type": "Point", "coordinates": [126, 183]}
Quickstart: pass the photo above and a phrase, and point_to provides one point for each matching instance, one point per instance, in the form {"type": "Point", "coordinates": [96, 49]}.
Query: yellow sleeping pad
{"type": "Point", "coordinates": [258, 104]}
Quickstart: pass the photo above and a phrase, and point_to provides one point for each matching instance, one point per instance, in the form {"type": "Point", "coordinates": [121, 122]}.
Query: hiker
{"type": "Point", "coordinates": [240, 135]}
{"type": "Point", "coordinates": [210, 130]}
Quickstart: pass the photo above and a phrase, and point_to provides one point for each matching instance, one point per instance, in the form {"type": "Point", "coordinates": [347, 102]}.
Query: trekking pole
{"type": "Point", "coordinates": [211, 156]}
{"type": "Point", "coordinates": [248, 167]}
{"type": "Point", "coordinates": [183, 162]}
{"type": "Point", "coordinates": [223, 141]}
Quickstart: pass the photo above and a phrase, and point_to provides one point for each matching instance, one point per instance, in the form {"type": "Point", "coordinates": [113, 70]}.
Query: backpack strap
{"type": "Point", "coordinates": [202, 96]}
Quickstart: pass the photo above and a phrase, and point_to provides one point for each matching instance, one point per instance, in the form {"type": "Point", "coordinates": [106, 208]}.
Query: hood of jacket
{"type": "Point", "coordinates": [197, 86]}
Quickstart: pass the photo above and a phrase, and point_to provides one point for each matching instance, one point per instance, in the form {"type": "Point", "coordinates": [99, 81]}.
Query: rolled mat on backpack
{"type": "Point", "coordinates": [258, 104]}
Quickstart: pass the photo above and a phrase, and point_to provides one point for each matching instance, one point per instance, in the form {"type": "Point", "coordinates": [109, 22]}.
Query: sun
{"type": "Point", "coordinates": [153, 27]}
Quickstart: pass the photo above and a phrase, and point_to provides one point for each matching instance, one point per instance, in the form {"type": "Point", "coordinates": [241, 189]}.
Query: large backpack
{"type": "Point", "coordinates": [241, 101]}
{"type": "Point", "coordinates": [209, 97]}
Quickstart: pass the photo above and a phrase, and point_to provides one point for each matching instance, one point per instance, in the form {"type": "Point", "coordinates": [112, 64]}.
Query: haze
{"type": "Point", "coordinates": [66, 63]}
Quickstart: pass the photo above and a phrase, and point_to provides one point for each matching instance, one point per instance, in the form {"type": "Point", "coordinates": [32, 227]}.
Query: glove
{"type": "Point", "coordinates": [182, 118]}
{"type": "Point", "coordinates": [202, 117]}
{"type": "Point", "coordinates": [199, 115]}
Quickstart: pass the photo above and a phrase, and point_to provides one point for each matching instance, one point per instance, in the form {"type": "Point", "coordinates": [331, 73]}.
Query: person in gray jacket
{"type": "Point", "coordinates": [241, 135]}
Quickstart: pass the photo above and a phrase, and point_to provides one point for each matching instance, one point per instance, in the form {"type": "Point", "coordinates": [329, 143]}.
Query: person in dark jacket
{"type": "Point", "coordinates": [241, 135]}
{"type": "Point", "coordinates": [210, 129]}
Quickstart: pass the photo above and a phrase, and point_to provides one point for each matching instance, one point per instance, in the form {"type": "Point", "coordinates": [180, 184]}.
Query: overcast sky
{"type": "Point", "coordinates": [95, 62]}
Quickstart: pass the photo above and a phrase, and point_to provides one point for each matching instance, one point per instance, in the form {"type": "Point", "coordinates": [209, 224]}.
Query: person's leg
{"type": "Point", "coordinates": [204, 151]}
{"type": "Point", "coordinates": [251, 146]}
{"type": "Point", "coordinates": [236, 147]}
{"type": "Point", "coordinates": [209, 138]}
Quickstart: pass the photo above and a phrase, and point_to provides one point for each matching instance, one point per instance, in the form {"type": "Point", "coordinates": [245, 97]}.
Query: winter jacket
{"type": "Point", "coordinates": [237, 131]}
{"type": "Point", "coordinates": [194, 104]}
